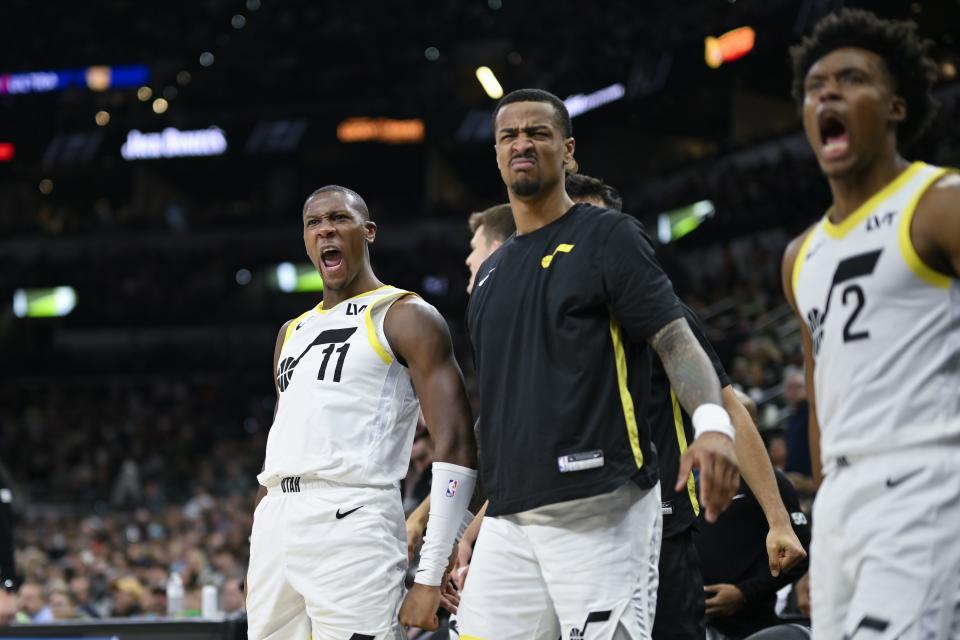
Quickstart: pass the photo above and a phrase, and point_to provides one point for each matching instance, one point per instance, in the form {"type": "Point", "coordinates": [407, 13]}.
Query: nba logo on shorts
{"type": "Point", "coordinates": [451, 488]}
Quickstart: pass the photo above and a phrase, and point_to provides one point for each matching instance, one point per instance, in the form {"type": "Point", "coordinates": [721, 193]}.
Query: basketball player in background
{"type": "Point", "coordinates": [489, 229]}
{"type": "Point", "coordinates": [874, 283]}
{"type": "Point", "coordinates": [680, 594]}
{"type": "Point", "coordinates": [327, 554]}
{"type": "Point", "coordinates": [562, 320]}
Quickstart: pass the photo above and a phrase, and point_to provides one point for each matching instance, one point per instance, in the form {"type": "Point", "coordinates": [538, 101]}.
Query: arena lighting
{"type": "Point", "coordinates": [731, 46]}
{"type": "Point", "coordinates": [96, 78]}
{"type": "Point", "coordinates": [581, 103]}
{"type": "Point", "coordinates": [489, 82]}
{"type": "Point", "coordinates": [54, 302]}
{"type": "Point", "coordinates": [297, 278]}
{"type": "Point", "coordinates": [673, 225]}
{"type": "Point", "coordinates": [173, 143]}
{"type": "Point", "coordinates": [7, 151]}
{"type": "Point", "coordinates": [381, 130]}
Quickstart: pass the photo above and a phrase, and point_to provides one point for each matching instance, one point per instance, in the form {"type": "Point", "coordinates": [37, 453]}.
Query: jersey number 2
{"type": "Point", "coordinates": [849, 334]}
{"type": "Point", "coordinates": [326, 358]}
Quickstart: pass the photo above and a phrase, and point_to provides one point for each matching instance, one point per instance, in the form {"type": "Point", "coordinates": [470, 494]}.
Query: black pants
{"type": "Point", "coordinates": [680, 599]}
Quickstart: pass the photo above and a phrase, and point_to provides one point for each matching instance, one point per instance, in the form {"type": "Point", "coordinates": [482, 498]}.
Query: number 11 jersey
{"type": "Point", "coordinates": [885, 327]}
{"type": "Point", "coordinates": [347, 410]}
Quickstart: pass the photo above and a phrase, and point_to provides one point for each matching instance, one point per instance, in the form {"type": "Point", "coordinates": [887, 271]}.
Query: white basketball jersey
{"type": "Point", "coordinates": [885, 327]}
{"type": "Point", "coordinates": [347, 411]}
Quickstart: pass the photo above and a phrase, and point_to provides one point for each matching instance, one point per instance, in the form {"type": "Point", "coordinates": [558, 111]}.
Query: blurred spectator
{"type": "Point", "coordinates": [777, 450]}
{"type": "Point", "coordinates": [33, 604]}
{"type": "Point", "coordinates": [795, 425]}
{"type": "Point", "coordinates": [128, 597]}
{"type": "Point", "coordinates": [80, 591]}
{"type": "Point", "coordinates": [8, 607]}
{"type": "Point", "coordinates": [233, 601]}
{"type": "Point", "coordinates": [62, 604]}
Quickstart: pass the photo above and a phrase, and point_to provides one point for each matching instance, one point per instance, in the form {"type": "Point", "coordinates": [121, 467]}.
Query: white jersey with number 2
{"type": "Point", "coordinates": [885, 327]}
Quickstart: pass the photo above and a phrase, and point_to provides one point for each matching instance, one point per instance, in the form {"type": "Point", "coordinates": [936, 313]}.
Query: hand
{"type": "Point", "coordinates": [714, 455]}
{"type": "Point", "coordinates": [449, 595]}
{"type": "Point", "coordinates": [727, 599]}
{"type": "Point", "coordinates": [462, 565]}
{"type": "Point", "coordinates": [784, 550]}
{"type": "Point", "coordinates": [415, 530]}
{"type": "Point", "coordinates": [419, 608]}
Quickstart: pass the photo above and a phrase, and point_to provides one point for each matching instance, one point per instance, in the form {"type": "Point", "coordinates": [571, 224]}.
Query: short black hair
{"type": "Point", "coordinates": [497, 222]}
{"type": "Point", "coordinates": [538, 95]}
{"type": "Point", "coordinates": [896, 41]}
{"type": "Point", "coordinates": [581, 186]}
{"type": "Point", "coordinates": [359, 203]}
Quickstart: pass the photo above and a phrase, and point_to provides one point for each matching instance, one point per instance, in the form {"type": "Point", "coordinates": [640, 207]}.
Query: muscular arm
{"type": "Point", "coordinates": [419, 335]}
{"type": "Point", "coordinates": [784, 550]}
{"type": "Point", "coordinates": [692, 376]}
{"type": "Point", "coordinates": [695, 383]}
{"type": "Point", "coordinates": [813, 426]}
{"type": "Point", "coordinates": [935, 232]}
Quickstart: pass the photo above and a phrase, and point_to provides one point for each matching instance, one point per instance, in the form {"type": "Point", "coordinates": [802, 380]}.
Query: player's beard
{"type": "Point", "coordinates": [525, 188]}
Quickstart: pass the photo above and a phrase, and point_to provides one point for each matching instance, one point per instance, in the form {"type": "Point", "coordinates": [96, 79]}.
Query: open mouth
{"type": "Point", "coordinates": [331, 259]}
{"type": "Point", "coordinates": [834, 138]}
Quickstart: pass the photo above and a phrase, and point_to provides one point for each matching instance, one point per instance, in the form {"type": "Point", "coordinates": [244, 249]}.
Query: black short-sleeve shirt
{"type": "Point", "coordinates": [672, 431]}
{"type": "Point", "coordinates": [558, 320]}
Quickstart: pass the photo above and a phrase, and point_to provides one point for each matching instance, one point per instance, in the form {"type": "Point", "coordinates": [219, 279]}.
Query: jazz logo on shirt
{"type": "Point", "coordinates": [451, 488]}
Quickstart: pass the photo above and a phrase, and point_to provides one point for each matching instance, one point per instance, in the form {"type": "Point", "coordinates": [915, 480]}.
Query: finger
{"type": "Point", "coordinates": [686, 465]}
{"type": "Point", "coordinates": [708, 482]}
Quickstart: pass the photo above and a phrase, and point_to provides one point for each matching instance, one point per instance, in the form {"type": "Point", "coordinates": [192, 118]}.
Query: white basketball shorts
{"type": "Point", "coordinates": [586, 569]}
{"type": "Point", "coordinates": [326, 559]}
{"type": "Point", "coordinates": [885, 556]}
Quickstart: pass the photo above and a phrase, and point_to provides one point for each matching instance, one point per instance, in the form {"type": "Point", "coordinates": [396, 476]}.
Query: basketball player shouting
{"type": "Point", "coordinates": [875, 286]}
{"type": "Point", "coordinates": [560, 319]}
{"type": "Point", "coordinates": [328, 552]}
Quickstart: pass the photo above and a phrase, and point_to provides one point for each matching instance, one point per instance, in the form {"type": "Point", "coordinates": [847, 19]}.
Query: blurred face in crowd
{"type": "Point", "coordinates": [849, 108]}
{"type": "Point", "coordinates": [531, 148]}
{"type": "Point", "coordinates": [232, 596]}
{"type": "Point", "coordinates": [80, 588]}
{"type": "Point", "coordinates": [31, 598]}
{"type": "Point", "coordinates": [62, 606]}
{"type": "Point", "coordinates": [794, 389]}
{"type": "Point", "coordinates": [481, 247]}
{"type": "Point", "coordinates": [336, 235]}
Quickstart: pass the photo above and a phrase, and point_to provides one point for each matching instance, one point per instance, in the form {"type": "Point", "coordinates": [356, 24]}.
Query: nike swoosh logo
{"type": "Point", "coordinates": [346, 513]}
{"type": "Point", "coordinates": [738, 496]}
{"type": "Point", "coordinates": [299, 324]}
{"type": "Point", "coordinates": [892, 483]}
{"type": "Point", "coordinates": [480, 284]}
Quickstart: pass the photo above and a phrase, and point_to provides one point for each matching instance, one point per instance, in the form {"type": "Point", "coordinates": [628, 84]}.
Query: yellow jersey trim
{"type": "Point", "coordinates": [909, 252]}
{"type": "Point", "coordinates": [463, 637]}
{"type": "Point", "coordinates": [682, 441]}
{"type": "Point", "coordinates": [319, 308]}
{"type": "Point", "coordinates": [837, 231]}
{"type": "Point", "coordinates": [799, 262]}
{"type": "Point", "coordinates": [626, 400]}
{"type": "Point", "coordinates": [293, 327]}
{"type": "Point", "coordinates": [372, 335]}
{"type": "Point", "coordinates": [561, 248]}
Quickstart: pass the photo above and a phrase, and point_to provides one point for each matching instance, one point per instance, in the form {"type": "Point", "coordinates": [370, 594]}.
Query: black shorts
{"type": "Point", "coordinates": [680, 599]}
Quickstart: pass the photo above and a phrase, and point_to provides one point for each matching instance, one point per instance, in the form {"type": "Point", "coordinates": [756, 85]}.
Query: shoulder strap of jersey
{"type": "Point", "coordinates": [374, 329]}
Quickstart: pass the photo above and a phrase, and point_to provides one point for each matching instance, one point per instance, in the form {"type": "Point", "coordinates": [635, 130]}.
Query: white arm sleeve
{"type": "Point", "coordinates": [450, 494]}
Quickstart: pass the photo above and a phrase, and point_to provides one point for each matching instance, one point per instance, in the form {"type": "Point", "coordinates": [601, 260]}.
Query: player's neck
{"type": "Point", "coordinates": [852, 190]}
{"type": "Point", "coordinates": [363, 283]}
{"type": "Point", "coordinates": [531, 214]}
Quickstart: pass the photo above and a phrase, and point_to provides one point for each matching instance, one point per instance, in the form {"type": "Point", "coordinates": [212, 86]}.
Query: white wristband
{"type": "Point", "coordinates": [712, 417]}
{"type": "Point", "coordinates": [450, 493]}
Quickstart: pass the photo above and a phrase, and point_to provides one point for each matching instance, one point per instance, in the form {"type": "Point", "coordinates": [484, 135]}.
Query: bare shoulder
{"type": "Point", "coordinates": [412, 324]}
{"type": "Point", "coordinates": [942, 199]}
{"type": "Point", "coordinates": [790, 255]}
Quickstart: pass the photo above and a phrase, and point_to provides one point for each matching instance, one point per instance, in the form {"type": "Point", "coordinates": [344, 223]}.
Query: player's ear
{"type": "Point", "coordinates": [569, 145]}
{"type": "Point", "coordinates": [370, 231]}
{"type": "Point", "coordinates": [898, 109]}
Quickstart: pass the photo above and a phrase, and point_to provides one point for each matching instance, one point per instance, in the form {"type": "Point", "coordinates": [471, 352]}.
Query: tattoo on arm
{"type": "Point", "coordinates": [691, 373]}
